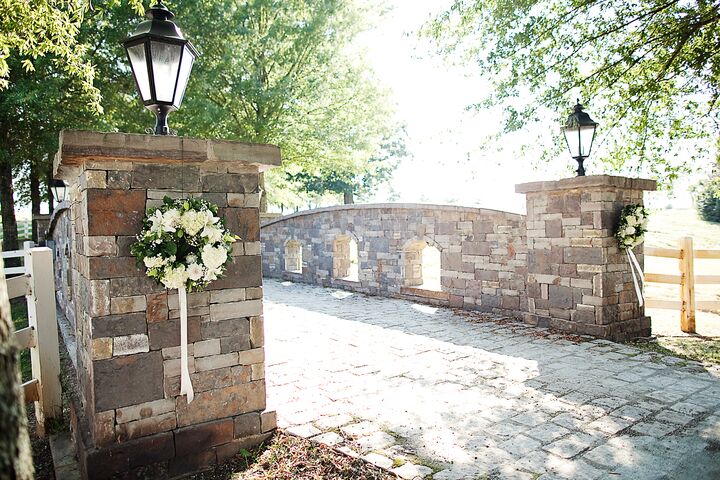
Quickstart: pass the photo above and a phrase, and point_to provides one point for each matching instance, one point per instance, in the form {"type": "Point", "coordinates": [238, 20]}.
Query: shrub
{"type": "Point", "coordinates": [707, 199]}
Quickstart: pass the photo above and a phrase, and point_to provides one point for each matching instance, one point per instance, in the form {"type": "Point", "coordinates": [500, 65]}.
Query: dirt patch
{"type": "Point", "coordinates": [285, 457]}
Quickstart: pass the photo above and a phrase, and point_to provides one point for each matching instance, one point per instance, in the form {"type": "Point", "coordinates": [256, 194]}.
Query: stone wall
{"type": "Point", "coordinates": [559, 267]}
{"type": "Point", "coordinates": [131, 421]}
{"type": "Point", "coordinates": [578, 279]}
{"type": "Point", "coordinates": [483, 264]}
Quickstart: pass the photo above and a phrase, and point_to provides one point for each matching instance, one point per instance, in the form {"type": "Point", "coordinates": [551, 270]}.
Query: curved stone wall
{"type": "Point", "coordinates": [483, 252]}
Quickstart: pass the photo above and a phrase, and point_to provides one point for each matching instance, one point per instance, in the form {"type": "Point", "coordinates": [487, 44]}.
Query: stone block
{"type": "Point", "coordinates": [166, 177]}
{"type": "Point", "coordinates": [120, 305]}
{"type": "Point", "coordinates": [157, 307]}
{"type": "Point", "coordinates": [197, 438]}
{"type": "Point", "coordinates": [167, 334]}
{"type": "Point", "coordinates": [268, 421]}
{"type": "Point", "coordinates": [104, 428]}
{"type": "Point", "coordinates": [229, 183]}
{"type": "Point", "coordinates": [224, 311]}
{"type": "Point", "coordinates": [113, 267]}
{"type": "Point", "coordinates": [248, 357]}
{"type": "Point", "coordinates": [116, 325]}
{"type": "Point", "coordinates": [257, 371]}
{"type": "Point", "coordinates": [229, 295]}
{"type": "Point", "coordinates": [99, 246]}
{"type": "Point", "coordinates": [245, 271]}
{"type": "Point", "coordinates": [225, 328]}
{"type": "Point", "coordinates": [101, 348]}
{"type": "Point", "coordinates": [118, 179]}
{"type": "Point", "coordinates": [130, 344]}
{"type": "Point", "coordinates": [115, 212]}
{"type": "Point", "coordinates": [207, 347]}
{"type": "Point", "coordinates": [560, 297]}
{"type": "Point", "coordinates": [236, 343]}
{"type": "Point", "coordinates": [144, 410]}
{"type": "Point", "coordinates": [243, 222]}
{"type": "Point", "coordinates": [216, 361]}
{"type": "Point", "coordinates": [215, 404]}
{"type": "Point", "coordinates": [146, 426]}
{"type": "Point", "coordinates": [247, 425]}
{"type": "Point", "coordinates": [136, 285]}
{"type": "Point", "coordinates": [99, 298]}
{"type": "Point", "coordinates": [143, 371]}
{"type": "Point", "coordinates": [586, 256]}
{"type": "Point", "coordinates": [192, 462]}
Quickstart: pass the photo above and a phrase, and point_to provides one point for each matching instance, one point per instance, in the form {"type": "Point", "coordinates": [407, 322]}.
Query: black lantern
{"type": "Point", "coordinates": [161, 60]}
{"type": "Point", "coordinates": [58, 190]}
{"type": "Point", "coordinates": [579, 131]}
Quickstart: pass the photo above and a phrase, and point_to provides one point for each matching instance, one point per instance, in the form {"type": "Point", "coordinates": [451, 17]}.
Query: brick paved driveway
{"type": "Point", "coordinates": [428, 393]}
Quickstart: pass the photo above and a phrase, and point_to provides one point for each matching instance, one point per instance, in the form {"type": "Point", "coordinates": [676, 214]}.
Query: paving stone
{"type": "Point", "coordinates": [305, 431]}
{"type": "Point", "coordinates": [375, 441]}
{"type": "Point", "coordinates": [379, 460]}
{"type": "Point", "coordinates": [456, 391]}
{"type": "Point", "coordinates": [410, 471]}
{"type": "Point", "coordinates": [330, 438]}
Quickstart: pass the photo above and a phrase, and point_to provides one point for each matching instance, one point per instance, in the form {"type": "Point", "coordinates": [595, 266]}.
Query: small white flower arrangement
{"type": "Point", "coordinates": [631, 228]}
{"type": "Point", "coordinates": [184, 243]}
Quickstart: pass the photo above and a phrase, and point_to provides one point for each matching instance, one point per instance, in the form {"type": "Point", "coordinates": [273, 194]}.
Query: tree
{"type": "Point", "coordinates": [650, 69]}
{"type": "Point", "coordinates": [15, 456]}
{"type": "Point", "coordinates": [281, 72]}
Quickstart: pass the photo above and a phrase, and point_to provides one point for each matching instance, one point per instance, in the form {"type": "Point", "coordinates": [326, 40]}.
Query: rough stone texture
{"type": "Point", "coordinates": [558, 266]}
{"type": "Point", "coordinates": [131, 421]}
{"type": "Point", "coordinates": [389, 238]}
{"type": "Point", "coordinates": [475, 398]}
{"type": "Point", "coordinates": [578, 279]}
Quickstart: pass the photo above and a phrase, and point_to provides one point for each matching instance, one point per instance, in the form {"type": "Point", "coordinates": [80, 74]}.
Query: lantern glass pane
{"type": "Point", "coordinates": [185, 67]}
{"type": "Point", "coordinates": [587, 134]}
{"type": "Point", "coordinates": [165, 61]}
{"type": "Point", "coordinates": [572, 138]}
{"type": "Point", "coordinates": [140, 69]}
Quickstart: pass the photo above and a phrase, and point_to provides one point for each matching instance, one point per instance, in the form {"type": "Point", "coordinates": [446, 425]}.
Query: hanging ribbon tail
{"type": "Point", "coordinates": [185, 382]}
{"type": "Point", "coordinates": [635, 266]}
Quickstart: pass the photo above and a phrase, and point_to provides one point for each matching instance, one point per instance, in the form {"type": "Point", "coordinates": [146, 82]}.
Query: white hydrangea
{"type": "Point", "coordinates": [156, 219]}
{"type": "Point", "coordinates": [191, 258]}
{"type": "Point", "coordinates": [153, 262]}
{"type": "Point", "coordinates": [195, 271]}
{"type": "Point", "coordinates": [629, 230]}
{"type": "Point", "coordinates": [171, 219]}
{"type": "Point", "coordinates": [192, 222]}
{"type": "Point", "coordinates": [175, 277]}
{"type": "Point", "coordinates": [213, 257]}
{"type": "Point", "coordinates": [213, 234]}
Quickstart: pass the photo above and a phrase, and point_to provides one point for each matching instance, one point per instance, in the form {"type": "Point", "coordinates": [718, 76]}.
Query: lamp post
{"type": "Point", "coordinates": [161, 60]}
{"type": "Point", "coordinates": [579, 131]}
{"type": "Point", "coordinates": [59, 189]}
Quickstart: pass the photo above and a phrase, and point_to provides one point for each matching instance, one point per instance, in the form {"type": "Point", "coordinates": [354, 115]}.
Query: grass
{"type": "Point", "coordinates": [285, 457]}
{"type": "Point", "coordinates": [698, 348]}
{"type": "Point", "coordinates": [666, 227]}
{"type": "Point", "coordinates": [20, 320]}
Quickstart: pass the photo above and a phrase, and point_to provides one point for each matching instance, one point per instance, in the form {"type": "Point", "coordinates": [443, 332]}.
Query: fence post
{"type": "Point", "coordinates": [45, 356]}
{"type": "Point", "coordinates": [687, 285]}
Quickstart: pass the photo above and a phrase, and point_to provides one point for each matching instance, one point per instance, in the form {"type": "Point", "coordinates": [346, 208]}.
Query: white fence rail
{"type": "Point", "coordinates": [35, 281]}
{"type": "Point", "coordinates": [24, 228]}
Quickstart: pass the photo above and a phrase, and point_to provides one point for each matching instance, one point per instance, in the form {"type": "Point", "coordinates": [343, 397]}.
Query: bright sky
{"type": "Point", "coordinates": [447, 166]}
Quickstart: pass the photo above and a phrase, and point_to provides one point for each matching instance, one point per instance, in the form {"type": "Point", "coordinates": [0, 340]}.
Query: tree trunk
{"type": "Point", "coordinates": [348, 198]}
{"type": "Point", "coordinates": [34, 195]}
{"type": "Point", "coordinates": [7, 209]}
{"type": "Point", "coordinates": [48, 183]}
{"type": "Point", "coordinates": [15, 454]}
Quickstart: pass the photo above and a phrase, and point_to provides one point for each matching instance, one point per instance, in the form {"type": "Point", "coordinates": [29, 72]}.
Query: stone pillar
{"type": "Point", "coordinates": [131, 421]}
{"type": "Point", "coordinates": [578, 280]}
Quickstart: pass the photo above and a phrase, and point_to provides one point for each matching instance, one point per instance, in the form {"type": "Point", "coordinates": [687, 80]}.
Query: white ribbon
{"type": "Point", "coordinates": [185, 383]}
{"type": "Point", "coordinates": [635, 265]}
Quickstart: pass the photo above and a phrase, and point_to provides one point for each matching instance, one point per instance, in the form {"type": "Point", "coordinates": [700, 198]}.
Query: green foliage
{"type": "Point", "coordinates": [707, 199]}
{"type": "Point", "coordinates": [649, 70]}
{"type": "Point", "coordinates": [282, 72]}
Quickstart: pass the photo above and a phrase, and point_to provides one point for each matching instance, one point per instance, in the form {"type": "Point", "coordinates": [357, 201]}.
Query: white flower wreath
{"type": "Point", "coordinates": [184, 244]}
{"type": "Point", "coordinates": [630, 232]}
{"type": "Point", "coordinates": [632, 226]}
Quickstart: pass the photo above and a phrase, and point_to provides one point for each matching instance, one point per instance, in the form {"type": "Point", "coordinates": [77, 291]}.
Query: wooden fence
{"type": "Point", "coordinates": [24, 228]}
{"type": "Point", "coordinates": [687, 280]}
{"type": "Point", "coordinates": [36, 282]}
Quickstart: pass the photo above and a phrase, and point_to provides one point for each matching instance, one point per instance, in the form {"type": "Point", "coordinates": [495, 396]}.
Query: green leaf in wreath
{"type": "Point", "coordinates": [171, 248]}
